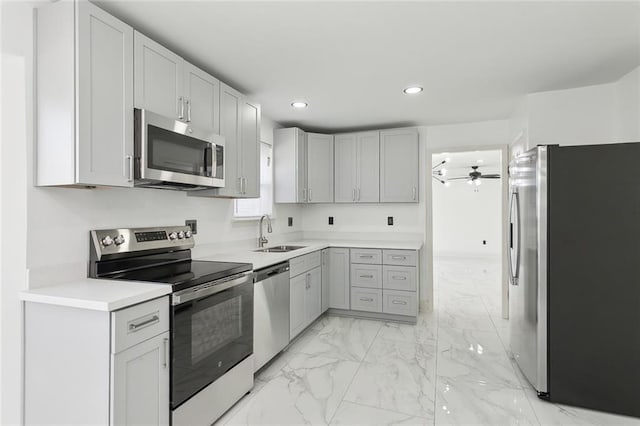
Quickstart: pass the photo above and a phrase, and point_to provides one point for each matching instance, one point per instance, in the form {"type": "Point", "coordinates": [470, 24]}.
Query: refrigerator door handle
{"type": "Point", "coordinates": [516, 275]}
{"type": "Point", "coordinates": [512, 276]}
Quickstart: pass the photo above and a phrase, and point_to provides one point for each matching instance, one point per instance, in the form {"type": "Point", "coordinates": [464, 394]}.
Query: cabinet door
{"type": "Point", "coordinates": [313, 296]}
{"type": "Point", "coordinates": [105, 98]}
{"type": "Point", "coordinates": [158, 74]}
{"type": "Point", "coordinates": [399, 166]}
{"type": "Point", "coordinates": [298, 288]}
{"type": "Point", "coordinates": [325, 280]}
{"type": "Point", "coordinates": [250, 151]}
{"type": "Point", "coordinates": [302, 188]}
{"type": "Point", "coordinates": [368, 167]}
{"type": "Point", "coordinates": [345, 148]}
{"type": "Point", "coordinates": [140, 383]}
{"type": "Point", "coordinates": [230, 100]}
{"type": "Point", "coordinates": [320, 168]}
{"type": "Point", "coordinates": [339, 278]}
{"type": "Point", "coordinates": [202, 98]}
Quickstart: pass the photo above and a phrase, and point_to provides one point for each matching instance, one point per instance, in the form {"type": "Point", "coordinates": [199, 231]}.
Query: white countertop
{"type": "Point", "coordinates": [262, 260]}
{"type": "Point", "coordinates": [96, 294]}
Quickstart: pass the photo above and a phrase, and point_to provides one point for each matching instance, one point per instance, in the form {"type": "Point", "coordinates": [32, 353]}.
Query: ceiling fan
{"type": "Point", "coordinates": [475, 176]}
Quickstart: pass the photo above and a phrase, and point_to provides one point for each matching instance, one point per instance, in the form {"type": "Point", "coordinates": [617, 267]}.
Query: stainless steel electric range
{"type": "Point", "coordinates": [211, 314]}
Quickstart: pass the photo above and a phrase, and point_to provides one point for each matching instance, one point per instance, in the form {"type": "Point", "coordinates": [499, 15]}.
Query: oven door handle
{"type": "Point", "coordinates": [208, 289]}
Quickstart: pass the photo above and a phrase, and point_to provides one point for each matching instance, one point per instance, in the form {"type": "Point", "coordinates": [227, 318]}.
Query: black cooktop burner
{"type": "Point", "coordinates": [183, 274]}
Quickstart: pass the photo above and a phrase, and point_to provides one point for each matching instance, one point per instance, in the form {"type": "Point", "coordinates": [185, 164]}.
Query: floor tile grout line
{"type": "Point", "coordinates": [384, 409]}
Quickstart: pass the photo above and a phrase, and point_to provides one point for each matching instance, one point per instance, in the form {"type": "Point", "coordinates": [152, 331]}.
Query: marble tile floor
{"type": "Point", "coordinates": [452, 368]}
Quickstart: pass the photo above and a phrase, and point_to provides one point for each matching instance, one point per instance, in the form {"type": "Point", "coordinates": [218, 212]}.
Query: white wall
{"type": "Point", "coordinates": [463, 218]}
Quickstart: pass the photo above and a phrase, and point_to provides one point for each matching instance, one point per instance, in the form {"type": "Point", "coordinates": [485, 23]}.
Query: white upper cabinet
{"type": "Point", "coordinates": [319, 168]}
{"type": "Point", "coordinates": [399, 166]}
{"type": "Point", "coordinates": [158, 78]}
{"type": "Point", "coordinates": [202, 98]}
{"type": "Point", "coordinates": [170, 86]}
{"type": "Point", "coordinates": [357, 167]}
{"type": "Point", "coordinates": [345, 171]}
{"type": "Point", "coordinates": [85, 96]}
{"type": "Point", "coordinates": [303, 166]}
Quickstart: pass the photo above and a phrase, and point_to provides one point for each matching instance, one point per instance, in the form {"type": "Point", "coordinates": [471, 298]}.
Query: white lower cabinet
{"type": "Point", "coordinates": [305, 298]}
{"type": "Point", "coordinates": [366, 299]}
{"type": "Point", "coordinates": [84, 366]}
{"type": "Point", "coordinates": [140, 383]}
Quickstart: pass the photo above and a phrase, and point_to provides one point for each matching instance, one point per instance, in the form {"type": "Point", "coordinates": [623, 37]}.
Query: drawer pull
{"type": "Point", "coordinates": [399, 257]}
{"type": "Point", "coordinates": [366, 276]}
{"type": "Point", "coordinates": [136, 326]}
{"type": "Point", "coordinates": [366, 299]}
{"type": "Point", "coordinates": [366, 256]}
{"type": "Point", "coordinates": [399, 278]}
{"type": "Point", "coordinates": [398, 302]}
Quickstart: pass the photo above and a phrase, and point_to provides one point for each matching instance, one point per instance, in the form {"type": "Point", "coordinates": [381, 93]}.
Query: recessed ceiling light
{"type": "Point", "coordinates": [413, 90]}
{"type": "Point", "coordinates": [299, 104]}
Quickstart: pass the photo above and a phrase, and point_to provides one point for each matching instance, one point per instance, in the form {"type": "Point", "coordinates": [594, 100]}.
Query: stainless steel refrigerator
{"type": "Point", "coordinates": [574, 293]}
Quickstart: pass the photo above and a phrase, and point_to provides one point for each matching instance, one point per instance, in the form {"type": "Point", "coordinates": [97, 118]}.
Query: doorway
{"type": "Point", "coordinates": [468, 199]}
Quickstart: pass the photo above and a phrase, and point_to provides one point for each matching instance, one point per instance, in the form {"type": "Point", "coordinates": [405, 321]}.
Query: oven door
{"type": "Point", "coordinates": [212, 331]}
{"type": "Point", "coordinates": [168, 150]}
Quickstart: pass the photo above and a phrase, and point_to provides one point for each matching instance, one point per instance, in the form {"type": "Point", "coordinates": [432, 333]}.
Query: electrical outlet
{"type": "Point", "coordinates": [290, 221]}
{"type": "Point", "coordinates": [193, 224]}
{"type": "Point", "coordinates": [330, 220]}
{"type": "Point", "coordinates": [484, 242]}
{"type": "Point", "coordinates": [390, 220]}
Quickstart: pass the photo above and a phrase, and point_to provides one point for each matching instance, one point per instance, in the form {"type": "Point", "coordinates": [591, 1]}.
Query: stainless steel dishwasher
{"type": "Point", "coordinates": [270, 313]}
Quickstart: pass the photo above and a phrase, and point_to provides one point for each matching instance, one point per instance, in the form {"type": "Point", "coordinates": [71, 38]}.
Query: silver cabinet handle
{"type": "Point", "coordinates": [399, 257]}
{"type": "Point", "coordinates": [307, 280]}
{"type": "Point", "coordinates": [136, 326]}
{"type": "Point", "coordinates": [358, 197]}
{"type": "Point", "coordinates": [309, 194]}
{"type": "Point", "coordinates": [239, 185]}
{"type": "Point", "coordinates": [244, 185]}
{"type": "Point", "coordinates": [354, 194]}
{"type": "Point", "coordinates": [366, 256]}
{"type": "Point", "coordinates": [398, 277]}
{"type": "Point", "coordinates": [129, 168]}
{"type": "Point", "coordinates": [304, 194]}
{"type": "Point", "coordinates": [414, 193]}
{"type": "Point", "coordinates": [188, 102]}
{"type": "Point", "coordinates": [398, 302]}
{"type": "Point", "coordinates": [366, 276]}
{"type": "Point", "coordinates": [366, 299]}
{"type": "Point", "coordinates": [165, 352]}
{"type": "Point", "coordinates": [181, 115]}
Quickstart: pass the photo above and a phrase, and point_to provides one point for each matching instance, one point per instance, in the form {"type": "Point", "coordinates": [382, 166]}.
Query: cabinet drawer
{"type": "Point", "coordinates": [399, 278]}
{"type": "Point", "coordinates": [138, 323]}
{"type": "Point", "coordinates": [304, 263]}
{"type": "Point", "coordinates": [399, 302]}
{"type": "Point", "coordinates": [364, 299]}
{"type": "Point", "coordinates": [369, 276]}
{"type": "Point", "coordinates": [399, 257]}
{"type": "Point", "coordinates": [371, 256]}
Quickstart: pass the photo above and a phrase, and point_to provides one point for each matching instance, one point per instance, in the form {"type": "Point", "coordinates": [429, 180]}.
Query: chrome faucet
{"type": "Point", "coordinates": [263, 240]}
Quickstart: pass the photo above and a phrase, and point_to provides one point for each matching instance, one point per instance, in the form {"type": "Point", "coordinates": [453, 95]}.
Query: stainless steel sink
{"type": "Point", "coordinates": [279, 249]}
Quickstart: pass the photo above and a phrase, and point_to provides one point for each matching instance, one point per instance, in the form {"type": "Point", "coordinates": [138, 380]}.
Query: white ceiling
{"type": "Point", "coordinates": [351, 60]}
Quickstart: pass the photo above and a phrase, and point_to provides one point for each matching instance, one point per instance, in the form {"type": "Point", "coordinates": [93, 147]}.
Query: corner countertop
{"type": "Point", "coordinates": [262, 260]}
{"type": "Point", "coordinates": [96, 294]}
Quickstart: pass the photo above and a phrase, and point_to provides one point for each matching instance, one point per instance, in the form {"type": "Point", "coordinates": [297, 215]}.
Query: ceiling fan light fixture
{"type": "Point", "coordinates": [443, 172]}
{"type": "Point", "coordinates": [478, 182]}
{"type": "Point", "coordinates": [447, 184]}
{"type": "Point", "coordinates": [413, 90]}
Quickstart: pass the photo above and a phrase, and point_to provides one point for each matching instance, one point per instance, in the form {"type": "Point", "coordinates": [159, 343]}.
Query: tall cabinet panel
{"type": "Point", "coordinates": [339, 288]}
{"type": "Point", "coordinates": [202, 95]}
{"type": "Point", "coordinates": [399, 166]}
{"type": "Point", "coordinates": [345, 148]}
{"type": "Point", "coordinates": [290, 172]}
{"type": "Point", "coordinates": [368, 189]}
{"type": "Point", "coordinates": [249, 159]}
{"type": "Point", "coordinates": [319, 168]}
{"type": "Point", "coordinates": [158, 78]}
{"type": "Point", "coordinates": [105, 98]}
{"type": "Point", "coordinates": [230, 108]}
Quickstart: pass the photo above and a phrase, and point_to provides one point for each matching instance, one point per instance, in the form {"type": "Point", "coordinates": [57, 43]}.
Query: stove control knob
{"type": "Point", "coordinates": [187, 234]}
{"type": "Point", "coordinates": [107, 241]}
{"type": "Point", "coordinates": [181, 234]}
{"type": "Point", "coordinates": [173, 236]}
{"type": "Point", "coordinates": [119, 239]}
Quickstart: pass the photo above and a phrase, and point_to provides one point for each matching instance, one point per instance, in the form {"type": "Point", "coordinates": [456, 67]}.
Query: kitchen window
{"type": "Point", "coordinates": [256, 207]}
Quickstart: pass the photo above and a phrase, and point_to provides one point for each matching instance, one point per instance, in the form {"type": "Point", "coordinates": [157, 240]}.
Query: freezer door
{"type": "Point", "coordinates": [527, 265]}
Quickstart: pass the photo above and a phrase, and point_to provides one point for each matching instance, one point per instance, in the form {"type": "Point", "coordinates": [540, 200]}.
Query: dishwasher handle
{"type": "Point", "coordinates": [265, 273]}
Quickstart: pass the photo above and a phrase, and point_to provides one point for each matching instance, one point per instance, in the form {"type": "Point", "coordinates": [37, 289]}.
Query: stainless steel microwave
{"type": "Point", "coordinates": [171, 154]}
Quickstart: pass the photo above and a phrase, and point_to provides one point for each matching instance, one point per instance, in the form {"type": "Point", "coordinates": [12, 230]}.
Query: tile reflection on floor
{"type": "Point", "coordinates": [451, 368]}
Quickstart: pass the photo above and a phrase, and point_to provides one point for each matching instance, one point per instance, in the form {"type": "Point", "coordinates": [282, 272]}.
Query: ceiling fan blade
{"type": "Point", "coordinates": [491, 176]}
{"type": "Point", "coordinates": [459, 178]}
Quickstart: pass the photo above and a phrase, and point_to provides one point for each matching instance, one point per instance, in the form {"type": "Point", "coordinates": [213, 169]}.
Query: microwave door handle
{"type": "Point", "coordinates": [208, 161]}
